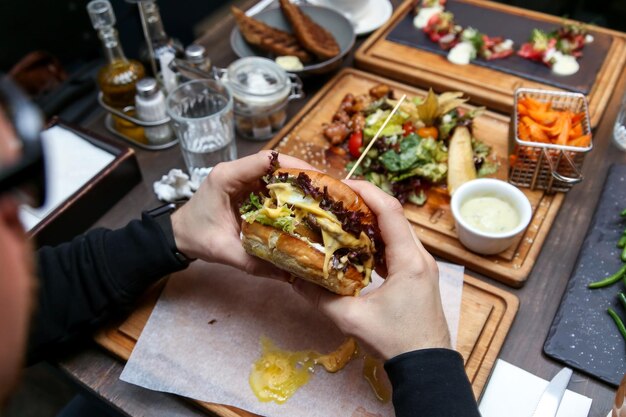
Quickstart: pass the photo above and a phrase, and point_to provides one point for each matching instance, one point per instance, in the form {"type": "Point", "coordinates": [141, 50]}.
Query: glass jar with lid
{"type": "Point", "coordinates": [261, 90]}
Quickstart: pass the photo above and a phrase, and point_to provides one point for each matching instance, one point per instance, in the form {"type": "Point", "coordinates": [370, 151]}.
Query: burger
{"type": "Point", "coordinates": [313, 226]}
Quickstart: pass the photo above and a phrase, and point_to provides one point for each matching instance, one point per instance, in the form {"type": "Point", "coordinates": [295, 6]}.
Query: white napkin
{"type": "Point", "coordinates": [71, 162]}
{"type": "Point", "coordinates": [176, 185]}
{"type": "Point", "coordinates": [514, 392]}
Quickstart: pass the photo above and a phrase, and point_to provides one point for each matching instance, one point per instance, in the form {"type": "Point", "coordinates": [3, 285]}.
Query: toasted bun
{"type": "Point", "coordinates": [297, 257]}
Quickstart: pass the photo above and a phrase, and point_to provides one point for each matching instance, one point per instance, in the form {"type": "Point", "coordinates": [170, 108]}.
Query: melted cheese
{"type": "Point", "coordinates": [278, 373]}
{"type": "Point", "coordinates": [334, 237]}
{"type": "Point", "coordinates": [285, 193]}
{"type": "Point", "coordinates": [274, 213]}
{"type": "Point", "coordinates": [373, 372]}
{"type": "Point", "coordinates": [337, 360]}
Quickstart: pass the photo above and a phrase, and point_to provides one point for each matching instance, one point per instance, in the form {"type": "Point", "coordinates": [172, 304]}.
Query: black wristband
{"type": "Point", "coordinates": [162, 217]}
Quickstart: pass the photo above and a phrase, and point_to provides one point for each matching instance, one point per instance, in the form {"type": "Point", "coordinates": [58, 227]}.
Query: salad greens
{"type": "Point", "coordinates": [403, 163]}
{"type": "Point", "coordinates": [253, 210]}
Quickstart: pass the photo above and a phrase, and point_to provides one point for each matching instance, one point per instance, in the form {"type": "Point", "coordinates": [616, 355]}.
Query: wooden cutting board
{"type": "Point", "coordinates": [487, 86]}
{"type": "Point", "coordinates": [487, 314]}
{"type": "Point", "coordinates": [302, 137]}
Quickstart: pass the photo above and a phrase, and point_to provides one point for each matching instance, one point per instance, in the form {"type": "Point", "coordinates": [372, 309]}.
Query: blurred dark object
{"type": "Point", "coordinates": [608, 13]}
{"type": "Point", "coordinates": [62, 28]}
{"type": "Point", "coordinates": [47, 83]}
{"type": "Point", "coordinates": [38, 73]}
{"type": "Point", "coordinates": [63, 100]}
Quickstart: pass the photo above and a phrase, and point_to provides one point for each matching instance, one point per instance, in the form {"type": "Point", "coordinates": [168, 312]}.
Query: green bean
{"type": "Point", "coordinates": [623, 256]}
{"type": "Point", "coordinates": [622, 242]}
{"type": "Point", "coordinates": [623, 213]}
{"type": "Point", "coordinates": [609, 280]}
{"type": "Point", "coordinates": [618, 322]}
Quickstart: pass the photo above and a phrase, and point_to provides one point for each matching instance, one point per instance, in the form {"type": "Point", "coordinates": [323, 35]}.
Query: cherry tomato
{"type": "Point", "coordinates": [408, 128]}
{"type": "Point", "coordinates": [355, 142]}
{"type": "Point", "coordinates": [428, 132]}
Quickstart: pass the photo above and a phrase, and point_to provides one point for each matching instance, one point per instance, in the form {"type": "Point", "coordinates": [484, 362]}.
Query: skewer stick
{"type": "Point", "coordinates": [369, 146]}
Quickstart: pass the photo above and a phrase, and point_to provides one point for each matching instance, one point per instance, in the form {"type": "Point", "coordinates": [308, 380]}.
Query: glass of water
{"type": "Point", "coordinates": [619, 130]}
{"type": "Point", "coordinates": [201, 113]}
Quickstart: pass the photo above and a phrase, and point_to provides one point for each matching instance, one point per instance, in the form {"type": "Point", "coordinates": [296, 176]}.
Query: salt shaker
{"type": "Point", "coordinates": [197, 57]}
{"type": "Point", "coordinates": [150, 107]}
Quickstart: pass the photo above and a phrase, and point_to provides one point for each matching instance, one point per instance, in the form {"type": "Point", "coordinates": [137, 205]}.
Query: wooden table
{"type": "Point", "coordinates": [98, 371]}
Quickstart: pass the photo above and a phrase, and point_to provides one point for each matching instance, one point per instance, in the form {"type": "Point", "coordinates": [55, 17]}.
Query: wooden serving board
{"type": "Point", "coordinates": [302, 137]}
{"type": "Point", "coordinates": [487, 86]}
{"type": "Point", "coordinates": [487, 314]}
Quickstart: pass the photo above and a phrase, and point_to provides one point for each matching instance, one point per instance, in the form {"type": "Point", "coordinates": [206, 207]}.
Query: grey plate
{"type": "Point", "coordinates": [333, 21]}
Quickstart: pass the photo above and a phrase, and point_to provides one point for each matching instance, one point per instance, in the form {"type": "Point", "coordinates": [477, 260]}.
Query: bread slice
{"type": "Point", "coordinates": [269, 39]}
{"type": "Point", "coordinates": [312, 36]}
{"type": "Point", "coordinates": [299, 258]}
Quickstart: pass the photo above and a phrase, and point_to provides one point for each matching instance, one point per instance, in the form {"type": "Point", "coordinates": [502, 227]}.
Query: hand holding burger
{"type": "Point", "coordinates": [313, 226]}
{"type": "Point", "coordinates": [208, 226]}
{"type": "Point", "coordinates": [405, 313]}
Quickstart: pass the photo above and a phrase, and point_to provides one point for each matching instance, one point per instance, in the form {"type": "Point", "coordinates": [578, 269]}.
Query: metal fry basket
{"type": "Point", "coordinates": [547, 166]}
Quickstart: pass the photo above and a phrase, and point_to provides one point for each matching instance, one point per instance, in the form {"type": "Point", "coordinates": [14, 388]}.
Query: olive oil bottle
{"type": "Point", "coordinates": [117, 78]}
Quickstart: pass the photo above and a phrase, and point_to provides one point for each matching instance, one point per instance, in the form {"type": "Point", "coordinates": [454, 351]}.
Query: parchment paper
{"type": "Point", "coordinates": [181, 352]}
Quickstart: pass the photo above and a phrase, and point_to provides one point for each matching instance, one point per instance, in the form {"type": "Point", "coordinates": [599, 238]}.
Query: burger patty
{"type": "Point", "coordinates": [304, 230]}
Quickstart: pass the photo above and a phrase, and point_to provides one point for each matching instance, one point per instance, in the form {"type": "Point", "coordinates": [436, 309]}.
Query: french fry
{"type": "Point", "coordinates": [565, 127]}
{"type": "Point", "coordinates": [543, 117]}
{"type": "Point", "coordinates": [582, 141]}
{"type": "Point", "coordinates": [539, 122]}
{"type": "Point", "coordinates": [576, 131]}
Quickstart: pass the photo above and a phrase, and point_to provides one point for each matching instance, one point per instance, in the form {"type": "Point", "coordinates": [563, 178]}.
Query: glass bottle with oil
{"type": "Point", "coordinates": [117, 78]}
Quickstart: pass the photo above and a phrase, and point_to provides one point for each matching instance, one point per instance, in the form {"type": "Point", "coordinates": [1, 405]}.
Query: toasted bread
{"type": "Point", "coordinates": [312, 36]}
{"type": "Point", "coordinates": [269, 39]}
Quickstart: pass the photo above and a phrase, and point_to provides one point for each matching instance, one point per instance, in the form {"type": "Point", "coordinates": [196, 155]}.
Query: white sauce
{"type": "Point", "coordinates": [588, 38]}
{"type": "Point", "coordinates": [564, 64]}
{"type": "Point", "coordinates": [462, 53]}
{"type": "Point", "coordinates": [490, 214]}
{"type": "Point", "coordinates": [289, 63]}
{"type": "Point", "coordinates": [425, 13]}
{"type": "Point", "coordinates": [504, 46]}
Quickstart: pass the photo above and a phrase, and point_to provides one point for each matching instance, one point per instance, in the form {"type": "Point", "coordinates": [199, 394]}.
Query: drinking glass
{"type": "Point", "coordinates": [201, 113]}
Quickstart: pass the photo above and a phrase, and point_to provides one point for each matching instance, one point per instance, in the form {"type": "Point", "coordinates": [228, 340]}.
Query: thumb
{"type": "Point", "coordinates": [332, 305]}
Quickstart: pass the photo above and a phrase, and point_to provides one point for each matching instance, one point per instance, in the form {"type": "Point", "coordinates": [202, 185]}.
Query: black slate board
{"type": "Point", "coordinates": [517, 28]}
{"type": "Point", "coordinates": [582, 334]}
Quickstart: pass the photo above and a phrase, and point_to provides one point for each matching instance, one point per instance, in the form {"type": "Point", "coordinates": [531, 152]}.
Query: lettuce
{"type": "Point", "coordinates": [374, 121]}
{"type": "Point", "coordinates": [251, 204]}
{"type": "Point", "coordinates": [285, 223]}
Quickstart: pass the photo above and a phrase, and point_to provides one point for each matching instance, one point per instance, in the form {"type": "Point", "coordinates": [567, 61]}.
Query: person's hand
{"type": "Point", "coordinates": [208, 225]}
{"type": "Point", "coordinates": [405, 313]}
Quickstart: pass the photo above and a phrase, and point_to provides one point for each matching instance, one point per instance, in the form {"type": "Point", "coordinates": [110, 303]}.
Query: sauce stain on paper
{"type": "Point", "coordinates": [278, 374]}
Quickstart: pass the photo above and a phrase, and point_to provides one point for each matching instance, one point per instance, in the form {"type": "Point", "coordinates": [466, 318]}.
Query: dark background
{"type": "Point", "coordinates": [62, 27]}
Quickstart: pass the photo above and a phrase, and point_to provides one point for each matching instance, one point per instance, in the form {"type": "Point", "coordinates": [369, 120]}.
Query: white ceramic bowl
{"type": "Point", "coordinates": [484, 242]}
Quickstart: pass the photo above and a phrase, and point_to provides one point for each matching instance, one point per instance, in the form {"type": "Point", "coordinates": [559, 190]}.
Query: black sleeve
{"type": "Point", "coordinates": [431, 383]}
{"type": "Point", "coordinates": [85, 281]}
